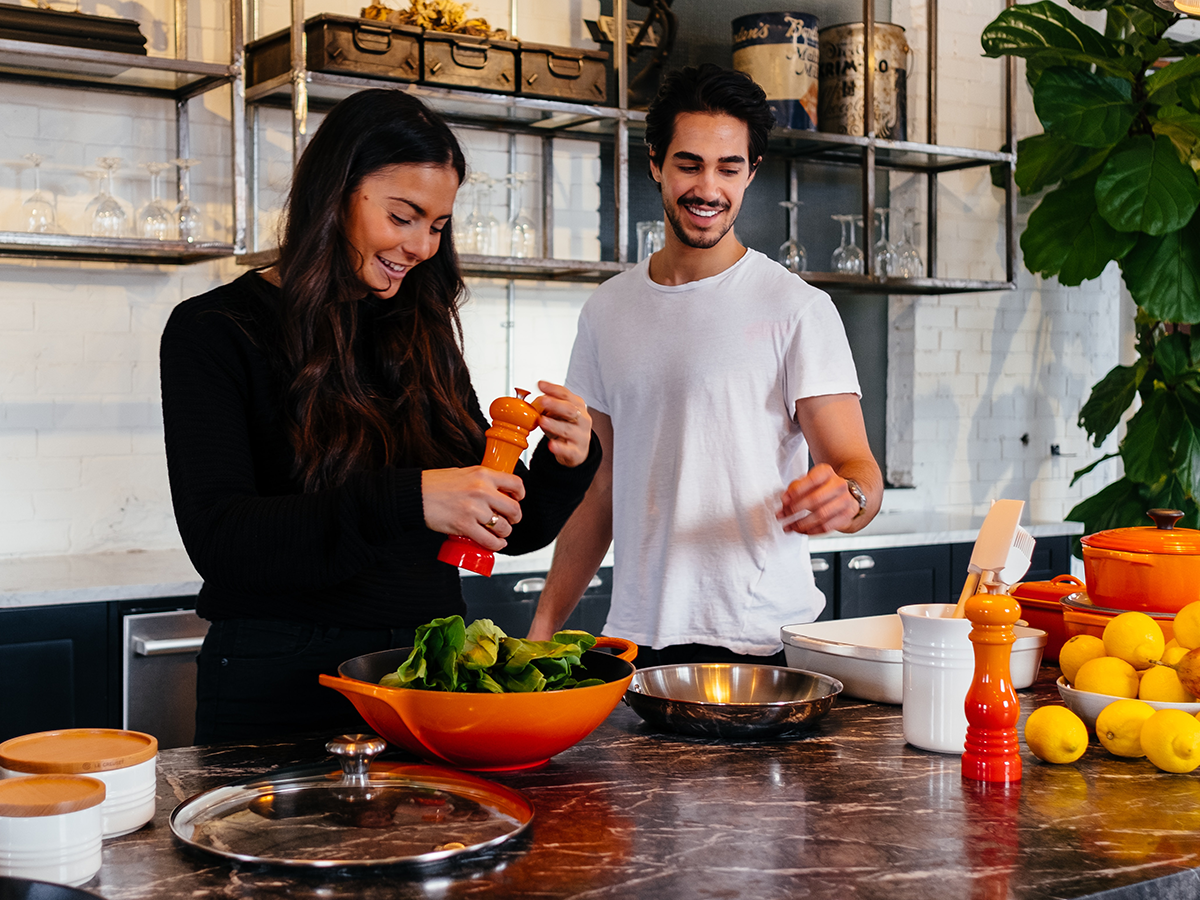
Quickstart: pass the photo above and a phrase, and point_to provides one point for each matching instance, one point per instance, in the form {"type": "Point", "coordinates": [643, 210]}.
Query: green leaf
{"type": "Point", "coordinates": [1163, 274]}
{"type": "Point", "coordinates": [1182, 128]}
{"type": "Point", "coordinates": [1184, 69]}
{"type": "Point", "coordinates": [581, 639]}
{"type": "Point", "coordinates": [1066, 235]}
{"type": "Point", "coordinates": [1030, 28]}
{"type": "Point", "coordinates": [1092, 110]}
{"type": "Point", "coordinates": [1044, 160]}
{"type": "Point", "coordinates": [482, 645]}
{"type": "Point", "coordinates": [1150, 438]}
{"type": "Point", "coordinates": [1173, 356]}
{"type": "Point", "coordinates": [1110, 398]}
{"type": "Point", "coordinates": [1144, 187]}
{"type": "Point", "coordinates": [1186, 460]}
{"type": "Point", "coordinates": [527, 680]}
{"type": "Point", "coordinates": [1079, 473]}
{"type": "Point", "coordinates": [1118, 505]}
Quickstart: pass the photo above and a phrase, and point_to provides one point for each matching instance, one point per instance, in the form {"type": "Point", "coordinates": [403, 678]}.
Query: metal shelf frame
{"type": "Point", "coordinates": [176, 80]}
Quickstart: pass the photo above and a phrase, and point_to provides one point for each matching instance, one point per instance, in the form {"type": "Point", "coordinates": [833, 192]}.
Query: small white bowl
{"type": "Point", "coordinates": [1088, 705]}
{"type": "Point", "coordinates": [865, 654]}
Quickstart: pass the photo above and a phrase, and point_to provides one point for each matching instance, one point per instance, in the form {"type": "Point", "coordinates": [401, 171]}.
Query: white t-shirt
{"type": "Point", "coordinates": [701, 382]}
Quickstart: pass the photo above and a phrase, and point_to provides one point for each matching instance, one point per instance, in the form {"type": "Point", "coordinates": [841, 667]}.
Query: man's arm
{"type": "Point", "coordinates": [837, 440]}
{"type": "Point", "coordinates": [580, 546]}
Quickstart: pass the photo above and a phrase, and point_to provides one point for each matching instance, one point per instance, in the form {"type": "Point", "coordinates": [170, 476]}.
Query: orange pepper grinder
{"type": "Point", "coordinates": [512, 420]}
{"type": "Point", "coordinates": [992, 752]}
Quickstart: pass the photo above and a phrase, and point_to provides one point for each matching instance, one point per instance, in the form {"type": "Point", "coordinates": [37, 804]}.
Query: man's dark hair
{"type": "Point", "coordinates": [708, 88]}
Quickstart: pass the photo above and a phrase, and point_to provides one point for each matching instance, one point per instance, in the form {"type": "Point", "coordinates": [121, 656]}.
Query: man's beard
{"type": "Point", "coordinates": [702, 243]}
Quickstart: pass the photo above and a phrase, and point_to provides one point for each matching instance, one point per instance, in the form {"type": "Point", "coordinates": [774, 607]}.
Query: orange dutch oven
{"type": "Point", "coordinates": [1152, 569]}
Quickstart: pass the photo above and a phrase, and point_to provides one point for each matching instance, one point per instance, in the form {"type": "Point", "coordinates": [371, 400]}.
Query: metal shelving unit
{"type": "Point", "coordinates": [176, 80]}
{"type": "Point", "coordinates": [302, 90]}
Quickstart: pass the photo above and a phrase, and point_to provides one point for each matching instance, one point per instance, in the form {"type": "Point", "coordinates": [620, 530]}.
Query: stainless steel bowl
{"type": "Point", "coordinates": [731, 699]}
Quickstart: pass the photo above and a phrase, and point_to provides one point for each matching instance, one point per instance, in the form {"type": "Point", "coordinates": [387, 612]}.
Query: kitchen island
{"type": "Point", "coordinates": [848, 811]}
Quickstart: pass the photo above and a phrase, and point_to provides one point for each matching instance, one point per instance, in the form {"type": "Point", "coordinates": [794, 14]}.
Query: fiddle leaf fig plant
{"type": "Point", "coordinates": [1117, 166]}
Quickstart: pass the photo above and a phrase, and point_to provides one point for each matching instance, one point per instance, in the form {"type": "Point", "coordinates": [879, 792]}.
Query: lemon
{"type": "Point", "coordinates": [1171, 739]}
{"type": "Point", "coordinates": [1107, 675]}
{"type": "Point", "coordinates": [1135, 638]}
{"type": "Point", "coordinates": [1119, 727]}
{"type": "Point", "coordinates": [1172, 644]}
{"type": "Point", "coordinates": [1172, 655]}
{"type": "Point", "coordinates": [1187, 626]}
{"type": "Point", "coordinates": [1161, 683]}
{"type": "Point", "coordinates": [1076, 651]}
{"type": "Point", "coordinates": [1056, 735]}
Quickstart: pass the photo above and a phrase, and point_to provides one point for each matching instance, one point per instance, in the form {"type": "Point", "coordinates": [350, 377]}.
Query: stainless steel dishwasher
{"type": "Point", "coordinates": [159, 674]}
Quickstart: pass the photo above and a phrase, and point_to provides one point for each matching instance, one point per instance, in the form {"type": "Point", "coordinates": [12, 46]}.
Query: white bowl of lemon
{"type": "Point", "coordinates": [1139, 693]}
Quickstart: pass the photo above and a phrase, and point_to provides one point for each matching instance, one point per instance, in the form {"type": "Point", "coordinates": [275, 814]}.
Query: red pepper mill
{"type": "Point", "coordinates": [992, 752]}
{"type": "Point", "coordinates": [512, 420]}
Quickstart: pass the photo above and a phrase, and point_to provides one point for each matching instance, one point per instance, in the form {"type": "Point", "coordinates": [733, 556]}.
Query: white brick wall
{"type": "Point", "coordinates": [81, 464]}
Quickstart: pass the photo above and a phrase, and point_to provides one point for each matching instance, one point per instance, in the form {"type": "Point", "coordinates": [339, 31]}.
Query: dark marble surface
{"type": "Point", "coordinates": [846, 811]}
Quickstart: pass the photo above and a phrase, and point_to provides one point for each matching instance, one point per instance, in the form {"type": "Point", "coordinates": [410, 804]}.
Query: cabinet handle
{"type": "Point", "coordinates": [820, 565]}
{"type": "Point", "coordinates": [861, 562]}
{"type": "Point", "coordinates": [535, 585]}
{"type": "Point", "coordinates": [167, 646]}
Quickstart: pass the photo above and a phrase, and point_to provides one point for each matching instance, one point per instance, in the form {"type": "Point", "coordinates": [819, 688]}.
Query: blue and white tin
{"type": "Point", "coordinates": [781, 51]}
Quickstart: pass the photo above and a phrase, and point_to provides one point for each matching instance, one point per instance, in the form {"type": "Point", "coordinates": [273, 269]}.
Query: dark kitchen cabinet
{"type": "Point", "coordinates": [878, 582]}
{"type": "Point", "coordinates": [510, 600]}
{"type": "Point", "coordinates": [824, 567]}
{"type": "Point", "coordinates": [54, 668]}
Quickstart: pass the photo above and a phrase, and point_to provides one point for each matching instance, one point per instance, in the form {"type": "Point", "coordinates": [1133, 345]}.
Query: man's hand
{"type": "Point", "coordinates": [823, 494]}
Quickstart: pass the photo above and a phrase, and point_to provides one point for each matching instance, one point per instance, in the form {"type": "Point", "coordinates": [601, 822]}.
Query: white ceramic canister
{"type": "Point", "coordinates": [50, 828]}
{"type": "Point", "coordinates": [939, 665]}
{"type": "Point", "coordinates": [125, 761]}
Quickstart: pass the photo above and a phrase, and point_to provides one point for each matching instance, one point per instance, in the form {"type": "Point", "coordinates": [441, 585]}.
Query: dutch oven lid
{"type": "Point", "coordinates": [368, 814]}
{"type": "Point", "coordinates": [77, 751]}
{"type": "Point", "coordinates": [1163, 539]}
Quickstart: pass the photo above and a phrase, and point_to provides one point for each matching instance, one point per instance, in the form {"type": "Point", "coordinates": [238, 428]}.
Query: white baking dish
{"type": "Point", "coordinates": [865, 655]}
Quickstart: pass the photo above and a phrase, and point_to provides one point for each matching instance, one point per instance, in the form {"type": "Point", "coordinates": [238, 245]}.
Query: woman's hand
{"type": "Point", "coordinates": [479, 503]}
{"type": "Point", "coordinates": [564, 419]}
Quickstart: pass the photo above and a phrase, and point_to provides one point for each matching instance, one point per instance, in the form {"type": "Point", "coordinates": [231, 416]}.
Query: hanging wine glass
{"type": "Point", "coordinates": [522, 233]}
{"type": "Point", "coordinates": [155, 220]}
{"type": "Point", "coordinates": [484, 228]}
{"type": "Point", "coordinates": [490, 245]}
{"type": "Point", "coordinates": [108, 216]}
{"type": "Point", "coordinates": [37, 212]}
{"type": "Point", "coordinates": [464, 206]}
{"type": "Point", "coordinates": [855, 258]}
{"type": "Point", "coordinates": [884, 260]}
{"type": "Point", "coordinates": [792, 254]}
{"type": "Point", "coordinates": [908, 257]}
{"type": "Point", "coordinates": [838, 261]}
{"type": "Point", "coordinates": [187, 214]}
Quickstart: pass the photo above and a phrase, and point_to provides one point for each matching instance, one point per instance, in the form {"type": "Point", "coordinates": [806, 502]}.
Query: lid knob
{"type": "Point", "coordinates": [355, 752]}
{"type": "Point", "coordinates": [1165, 518]}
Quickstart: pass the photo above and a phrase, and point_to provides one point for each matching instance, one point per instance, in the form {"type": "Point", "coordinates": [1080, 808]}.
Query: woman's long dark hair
{"type": "Point", "coordinates": [398, 395]}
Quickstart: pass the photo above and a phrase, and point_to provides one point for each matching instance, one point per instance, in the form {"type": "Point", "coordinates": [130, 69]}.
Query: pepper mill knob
{"type": "Point", "coordinates": [512, 420]}
{"type": "Point", "coordinates": [992, 751]}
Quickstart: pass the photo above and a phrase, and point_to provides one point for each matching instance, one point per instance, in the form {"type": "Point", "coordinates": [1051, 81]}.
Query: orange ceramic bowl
{"type": "Point", "coordinates": [1081, 617]}
{"type": "Point", "coordinates": [484, 732]}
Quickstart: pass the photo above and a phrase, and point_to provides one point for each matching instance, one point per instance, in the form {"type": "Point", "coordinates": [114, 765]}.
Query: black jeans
{"type": "Point", "coordinates": [678, 654]}
{"type": "Point", "coordinates": [257, 678]}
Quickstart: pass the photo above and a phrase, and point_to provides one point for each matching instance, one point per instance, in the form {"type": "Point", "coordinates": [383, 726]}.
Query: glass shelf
{"type": "Point", "coordinates": [80, 247]}
{"type": "Point", "coordinates": [105, 70]}
{"type": "Point", "coordinates": [326, 89]}
{"type": "Point", "coordinates": [862, 284]}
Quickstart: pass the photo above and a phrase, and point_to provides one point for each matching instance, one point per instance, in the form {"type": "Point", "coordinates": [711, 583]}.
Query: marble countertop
{"type": "Point", "coordinates": [148, 574]}
{"type": "Point", "coordinates": [847, 811]}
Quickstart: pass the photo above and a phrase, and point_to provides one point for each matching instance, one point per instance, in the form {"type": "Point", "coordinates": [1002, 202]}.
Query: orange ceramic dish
{"type": "Point", "coordinates": [1152, 569]}
{"type": "Point", "coordinates": [484, 732]}
{"type": "Point", "coordinates": [1041, 608]}
{"type": "Point", "coordinates": [1081, 617]}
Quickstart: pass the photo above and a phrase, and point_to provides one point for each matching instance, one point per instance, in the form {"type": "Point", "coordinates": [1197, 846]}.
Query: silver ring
{"type": "Point", "coordinates": [491, 523]}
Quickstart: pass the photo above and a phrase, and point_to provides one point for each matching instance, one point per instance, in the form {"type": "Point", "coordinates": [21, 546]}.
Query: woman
{"type": "Point", "coordinates": [323, 437]}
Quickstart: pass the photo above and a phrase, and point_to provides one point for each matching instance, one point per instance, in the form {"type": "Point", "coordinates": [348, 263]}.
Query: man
{"type": "Point", "coordinates": [711, 373]}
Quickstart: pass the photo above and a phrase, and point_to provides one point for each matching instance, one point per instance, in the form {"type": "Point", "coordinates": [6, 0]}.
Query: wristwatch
{"type": "Point", "coordinates": [857, 493]}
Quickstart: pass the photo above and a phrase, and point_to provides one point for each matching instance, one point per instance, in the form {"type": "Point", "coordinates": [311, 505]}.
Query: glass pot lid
{"type": "Point", "coordinates": [1161, 538]}
{"type": "Point", "coordinates": [368, 814]}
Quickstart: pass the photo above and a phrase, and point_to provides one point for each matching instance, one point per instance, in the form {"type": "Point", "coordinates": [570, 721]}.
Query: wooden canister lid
{"type": "Point", "coordinates": [49, 795]}
{"type": "Point", "coordinates": [77, 751]}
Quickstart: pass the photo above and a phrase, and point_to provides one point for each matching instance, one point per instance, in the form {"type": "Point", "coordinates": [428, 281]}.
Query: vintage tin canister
{"type": "Point", "coordinates": [779, 50]}
{"type": "Point", "coordinates": [841, 81]}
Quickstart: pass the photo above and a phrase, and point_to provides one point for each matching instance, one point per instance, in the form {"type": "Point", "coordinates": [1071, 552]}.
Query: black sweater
{"type": "Point", "coordinates": [358, 555]}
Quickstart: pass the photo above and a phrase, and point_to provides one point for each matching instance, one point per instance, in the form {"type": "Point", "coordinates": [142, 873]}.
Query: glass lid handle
{"type": "Point", "coordinates": [1165, 518]}
{"type": "Point", "coordinates": [354, 753]}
